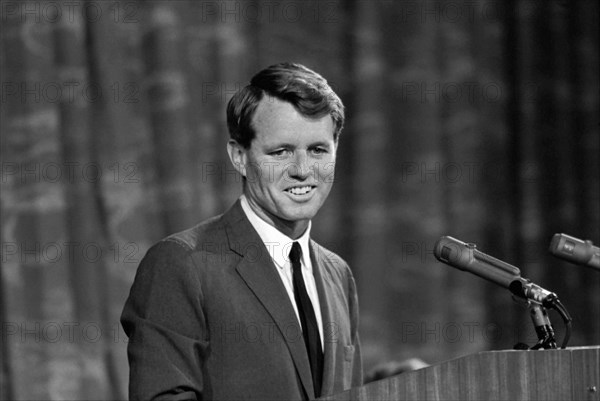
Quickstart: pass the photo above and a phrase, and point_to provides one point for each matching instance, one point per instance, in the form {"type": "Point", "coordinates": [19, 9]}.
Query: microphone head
{"type": "Point", "coordinates": [575, 250]}
{"type": "Point", "coordinates": [563, 244]}
{"type": "Point", "coordinates": [453, 252]}
{"type": "Point", "coordinates": [464, 256]}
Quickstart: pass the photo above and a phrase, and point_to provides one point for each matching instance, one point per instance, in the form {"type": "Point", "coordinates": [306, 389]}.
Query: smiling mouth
{"type": "Point", "coordinates": [300, 190]}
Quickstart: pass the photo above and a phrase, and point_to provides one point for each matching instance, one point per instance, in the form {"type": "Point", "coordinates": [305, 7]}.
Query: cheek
{"type": "Point", "coordinates": [256, 171]}
{"type": "Point", "coordinates": [326, 172]}
{"type": "Point", "coordinates": [276, 173]}
{"type": "Point", "coordinates": [268, 180]}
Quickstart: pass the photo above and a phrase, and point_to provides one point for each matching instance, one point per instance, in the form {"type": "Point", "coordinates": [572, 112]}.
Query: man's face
{"type": "Point", "coordinates": [289, 166]}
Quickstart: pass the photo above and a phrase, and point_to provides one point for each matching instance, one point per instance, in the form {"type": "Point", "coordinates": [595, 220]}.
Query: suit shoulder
{"type": "Point", "coordinates": [175, 255]}
{"type": "Point", "coordinates": [182, 246]}
{"type": "Point", "coordinates": [195, 238]}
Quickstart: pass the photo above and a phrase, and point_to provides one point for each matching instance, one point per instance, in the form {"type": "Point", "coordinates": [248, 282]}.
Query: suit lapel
{"type": "Point", "coordinates": [324, 288]}
{"type": "Point", "coordinates": [258, 271]}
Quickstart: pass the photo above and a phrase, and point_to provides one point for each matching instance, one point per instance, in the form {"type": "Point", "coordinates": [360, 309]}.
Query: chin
{"type": "Point", "coordinates": [297, 215]}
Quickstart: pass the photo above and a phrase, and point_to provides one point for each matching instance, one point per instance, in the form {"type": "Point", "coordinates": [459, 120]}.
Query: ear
{"type": "Point", "coordinates": [237, 155]}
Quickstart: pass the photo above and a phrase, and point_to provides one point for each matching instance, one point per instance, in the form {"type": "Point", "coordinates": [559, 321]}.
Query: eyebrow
{"type": "Point", "coordinates": [289, 145]}
{"type": "Point", "coordinates": [320, 143]}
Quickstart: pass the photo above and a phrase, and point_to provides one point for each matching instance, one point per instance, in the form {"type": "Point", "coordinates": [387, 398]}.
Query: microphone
{"type": "Point", "coordinates": [466, 257]}
{"type": "Point", "coordinates": [575, 250]}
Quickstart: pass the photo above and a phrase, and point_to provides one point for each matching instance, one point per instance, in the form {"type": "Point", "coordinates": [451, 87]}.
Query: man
{"type": "Point", "coordinates": [246, 305]}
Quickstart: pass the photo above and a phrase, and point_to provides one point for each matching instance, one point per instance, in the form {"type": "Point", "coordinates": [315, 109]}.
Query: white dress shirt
{"type": "Point", "coordinates": [279, 245]}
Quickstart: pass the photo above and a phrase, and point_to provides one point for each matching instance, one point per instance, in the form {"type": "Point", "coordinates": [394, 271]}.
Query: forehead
{"type": "Point", "coordinates": [276, 120]}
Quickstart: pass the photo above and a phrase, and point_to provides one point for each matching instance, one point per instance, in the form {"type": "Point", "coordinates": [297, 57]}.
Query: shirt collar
{"type": "Point", "coordinates": [277, 243]}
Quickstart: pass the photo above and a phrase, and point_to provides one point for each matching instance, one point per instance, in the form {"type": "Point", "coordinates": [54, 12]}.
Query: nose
{"type": "Point", "coordinates": [300, 168]}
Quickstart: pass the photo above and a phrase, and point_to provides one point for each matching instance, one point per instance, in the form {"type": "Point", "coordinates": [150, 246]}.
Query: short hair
{"type": "Point", "coordinates": [305, 89]}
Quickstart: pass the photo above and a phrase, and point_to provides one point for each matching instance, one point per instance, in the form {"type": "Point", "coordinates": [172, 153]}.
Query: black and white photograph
{"type": "Point", "coordinates": [343, 200]}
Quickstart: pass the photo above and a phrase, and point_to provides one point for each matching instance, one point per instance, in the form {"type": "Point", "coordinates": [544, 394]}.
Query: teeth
{"type": "Point", "coordinates": [299, 190]}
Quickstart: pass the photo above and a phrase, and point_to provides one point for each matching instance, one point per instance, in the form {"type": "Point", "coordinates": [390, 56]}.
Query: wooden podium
{"type": "Point", "coordinates": [562, 375]}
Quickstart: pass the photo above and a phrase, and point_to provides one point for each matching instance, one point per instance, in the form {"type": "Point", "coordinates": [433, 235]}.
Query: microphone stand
{"type": "Point", "coordinates": [542, 325]}
{"type": "Point", "coordinates": [539, 316]}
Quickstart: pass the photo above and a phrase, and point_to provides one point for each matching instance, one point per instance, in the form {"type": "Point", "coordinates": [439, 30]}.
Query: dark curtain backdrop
{"type": "Point", "coordinates": [476, 119]}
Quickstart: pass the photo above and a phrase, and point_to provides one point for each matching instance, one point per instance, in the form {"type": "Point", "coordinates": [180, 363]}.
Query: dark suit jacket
{"type": "Point", "coordinates": [209, 318]}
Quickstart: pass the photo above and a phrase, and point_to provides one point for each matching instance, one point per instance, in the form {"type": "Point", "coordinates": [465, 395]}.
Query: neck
{"type": "Point", "coordinates": [293, 229]}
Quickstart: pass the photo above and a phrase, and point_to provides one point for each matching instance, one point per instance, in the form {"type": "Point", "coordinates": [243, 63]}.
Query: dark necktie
{"type": "Point", "coordinates": [310, 330]}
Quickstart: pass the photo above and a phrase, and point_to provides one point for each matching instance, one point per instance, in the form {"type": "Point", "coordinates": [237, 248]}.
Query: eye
{"type": "Point", "coordinates": [279, 152]}
{"type": "Point", "coordinates": [319, 150]}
